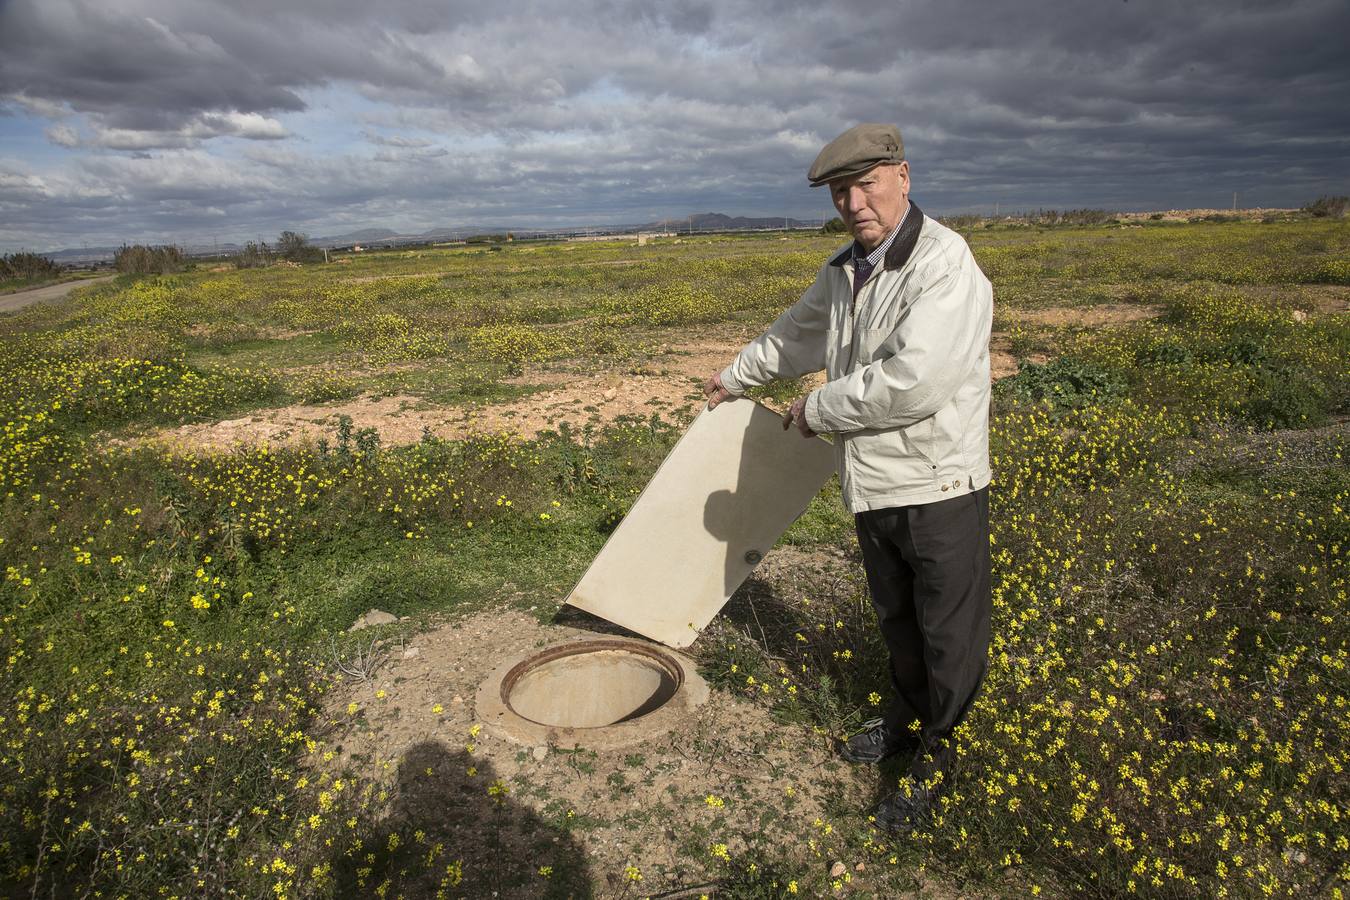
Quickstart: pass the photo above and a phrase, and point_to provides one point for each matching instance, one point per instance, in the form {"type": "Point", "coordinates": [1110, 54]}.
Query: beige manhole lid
{"type": "Point", "coordinates": [597, 693]}
{"type": "Point", "coordinates": [720, 500]}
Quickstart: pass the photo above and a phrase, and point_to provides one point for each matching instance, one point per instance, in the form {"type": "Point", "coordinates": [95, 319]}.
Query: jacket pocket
{"type": "Point", "coordinates": [921, 442]}
{"type": "Point", "coordinates": [910, 466]}
{"type": "Point", "coordinates": [945, 440]}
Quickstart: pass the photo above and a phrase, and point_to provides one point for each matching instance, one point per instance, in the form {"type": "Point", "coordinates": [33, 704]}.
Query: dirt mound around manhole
{"type": "Point", "coordinates": [723, 773]}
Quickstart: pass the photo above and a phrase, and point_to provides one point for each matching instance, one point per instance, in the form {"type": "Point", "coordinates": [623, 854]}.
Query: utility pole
{"type": "Point", "coordinates": [1234, 201]}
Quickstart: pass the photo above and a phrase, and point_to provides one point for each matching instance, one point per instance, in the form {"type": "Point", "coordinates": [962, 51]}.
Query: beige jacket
{"type": "Point", "coordinates": [908, 368]}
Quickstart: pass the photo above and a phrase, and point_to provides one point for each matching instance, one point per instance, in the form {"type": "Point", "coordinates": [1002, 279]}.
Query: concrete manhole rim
{"type": "Point", "coordinates": [494, 710]}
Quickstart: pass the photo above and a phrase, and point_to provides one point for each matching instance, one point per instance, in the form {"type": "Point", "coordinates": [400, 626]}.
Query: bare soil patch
{"type": "Point", "coordinates": [669, 385]}
{"type": "Point", "coordinates": [239, 332]}
{"type": "Point", "coordinates": [1104, 314]}
{"type": "Point", "coordinates": [662, 806]}
{"type": "Point", "coordinates": [1002, 361]}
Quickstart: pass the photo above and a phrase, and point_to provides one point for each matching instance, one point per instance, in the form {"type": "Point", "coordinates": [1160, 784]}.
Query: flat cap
{"type": "Point", "coordinates": [857, 150]}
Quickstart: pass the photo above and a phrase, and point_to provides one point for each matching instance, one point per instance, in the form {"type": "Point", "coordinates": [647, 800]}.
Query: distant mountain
{"type": "Point", "coordinates": [720, 222]}
{"type": "Point", "coordinates": [81, 254]}
{"type": "Point", "coordinates": [363, 236]}
{"type": "Point", "coordinates": [387, 236]}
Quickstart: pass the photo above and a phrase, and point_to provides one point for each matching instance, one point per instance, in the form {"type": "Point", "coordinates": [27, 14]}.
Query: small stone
{"type": "Point", "coordinates": [610, 394]}
{"type": "Point", "coordinates": [457, 699]}
{"type": "Point", "coordinates": [540, 753]}
{"type": "Point", "coordinates": [837, 869]}
{"type": "Point", "coordinates": [860, 867]}
{"type": "Point", "coordinates": [1300, 316]}
{"type": "Point", "coordinates": [412, 653]}
{"type": "Point", "coordinates": [373, 617]}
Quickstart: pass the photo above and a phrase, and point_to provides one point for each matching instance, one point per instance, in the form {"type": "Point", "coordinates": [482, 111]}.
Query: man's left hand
{"type": "Point", "coordinates": [796, 415]}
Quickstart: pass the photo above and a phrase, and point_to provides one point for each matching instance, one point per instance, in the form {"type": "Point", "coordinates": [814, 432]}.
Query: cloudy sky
{"type": "Point", "coordinates": [193, 120]}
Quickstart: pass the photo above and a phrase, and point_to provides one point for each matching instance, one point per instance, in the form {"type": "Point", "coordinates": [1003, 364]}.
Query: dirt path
{"type": "Point", "coordinates": [20, 299]}
{"type": "Point", "coordinates": [668, 384]}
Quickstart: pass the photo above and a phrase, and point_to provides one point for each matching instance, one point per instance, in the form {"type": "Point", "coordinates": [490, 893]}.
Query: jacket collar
{"type": "Point", "coordinates": [901, 247]}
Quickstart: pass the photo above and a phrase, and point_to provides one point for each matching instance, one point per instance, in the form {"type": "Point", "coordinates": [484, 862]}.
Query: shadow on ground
{"type": "Point", "coordinates": [454, 830]}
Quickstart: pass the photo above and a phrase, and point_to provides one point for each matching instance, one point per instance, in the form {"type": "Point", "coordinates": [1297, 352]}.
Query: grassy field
{"type": "Point", "coordinates": [1166, 711]}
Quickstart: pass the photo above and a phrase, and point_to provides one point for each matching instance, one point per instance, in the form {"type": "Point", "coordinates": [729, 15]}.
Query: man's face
{"type": "Point", "coordinates": [872, 203]}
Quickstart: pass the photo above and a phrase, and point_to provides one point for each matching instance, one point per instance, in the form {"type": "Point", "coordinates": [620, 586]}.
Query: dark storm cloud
{"type": "Point", "coordinates": [181, 117]}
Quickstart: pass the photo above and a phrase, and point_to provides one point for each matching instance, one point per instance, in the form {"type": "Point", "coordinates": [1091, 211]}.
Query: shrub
{"type": "Point", "coordinates": [140, 259]}
{"type": "Point", "coordinates": [27, 267]}
{"type": "Point", "coordinates": [1166, 352]}
{"type": "Point", "coordinates": [1327, 207]}
{"type": "Point", "coordinates": [1065, 382]}
{"type": "Point", "coordinates": [677, 304]}
{"type": "Point", "coordinates": [963, 222]}
{"type": "Point", "coordinates": [512, 346]}
{"type": "Point", "coordinates": [321, 387]}
{"type": "Point", "coordinates": [253, 256]}
{"type": "Point", "coordinates": [1286, 397]}
{"type": "Point", "coordinates": [1085, 217]}
{"type": "Point", "coordinates": [390, 337]}
{"type": "Point", "coordinates": [295, 247]}
{"type": "Point", "coordinates": [834, 226]}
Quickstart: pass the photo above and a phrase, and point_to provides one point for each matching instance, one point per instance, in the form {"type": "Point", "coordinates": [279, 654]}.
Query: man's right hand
{"type": "Point", "coordinates": [713, 390]}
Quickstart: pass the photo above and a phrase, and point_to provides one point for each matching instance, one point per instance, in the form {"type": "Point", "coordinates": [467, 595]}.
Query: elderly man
{"type": "Point", "coordinates": [899, 320]}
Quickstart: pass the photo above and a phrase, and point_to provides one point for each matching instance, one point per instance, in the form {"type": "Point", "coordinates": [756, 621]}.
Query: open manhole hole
{"type": "Point", "coordinates": [597, 693]}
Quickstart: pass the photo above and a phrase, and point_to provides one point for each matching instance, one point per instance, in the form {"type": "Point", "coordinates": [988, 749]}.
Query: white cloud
{"type": "Point", "coordinates": [251, 126]}
{"type": "Point", "coordinates": [63, 136]}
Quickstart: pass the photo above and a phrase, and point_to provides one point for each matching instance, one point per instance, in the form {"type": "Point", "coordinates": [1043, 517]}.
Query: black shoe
{"type": "Point", "coordinates": [908, 809]}
{"type": "Point", "coordinates": [875, 744]}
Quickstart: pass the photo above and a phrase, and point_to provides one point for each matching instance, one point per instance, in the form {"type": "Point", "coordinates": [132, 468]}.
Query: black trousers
{"type": "Point", "coordinates": [928, 573]}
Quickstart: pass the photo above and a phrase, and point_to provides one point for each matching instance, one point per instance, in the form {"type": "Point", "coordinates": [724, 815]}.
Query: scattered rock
{"type": "Point", "coordinates": [610, 394]}
{"type": "Point", "coordinates": [373, 617]}
{"type": "Point", "coordinates": [457, 699]}
{"type": "Point", "coordinates": [1300, 316]}
{"type": "Point", "coordinates": [860, 867]}
{"type": "Point", "coordinates": [540, 753]}
{"type": "Point", "coordinates": [837, 869]}
{"type": "Point", "coordinates": [412, 653]}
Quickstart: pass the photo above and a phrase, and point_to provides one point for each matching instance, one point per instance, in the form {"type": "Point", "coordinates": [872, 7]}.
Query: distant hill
{"type": "Point", "coordinates": [720, 222]}
{"type": "Point", "coordinates": [709, 221]}
{"type": "Point", "coordinates": [363, 236]}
